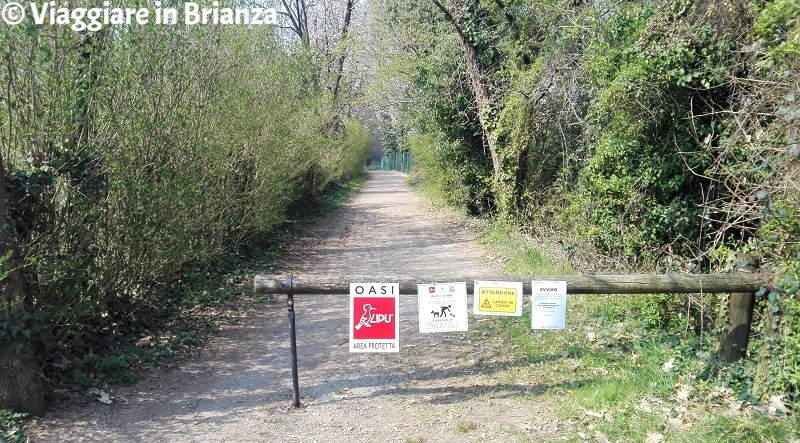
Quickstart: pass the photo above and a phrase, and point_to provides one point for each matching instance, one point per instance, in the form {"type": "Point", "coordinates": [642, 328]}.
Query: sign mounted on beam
{"type": "Point", "coordinates": [442, 307]}
{"type": "Point", "coordinates": [374, 322]}
{"type": "Point", "coordinates": [549, 305]}
{"type": "Point", "coordinates": [498, 298]}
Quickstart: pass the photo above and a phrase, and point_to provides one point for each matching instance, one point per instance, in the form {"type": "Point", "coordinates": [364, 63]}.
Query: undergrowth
{"type": "Point", "coordinates": [620, 372]}
{"type": "Point", "coordinates": [12, 430]}
{"type": "Point", "coordinates": [203, 300]}
{"type": "Point", "coordinates": [519, 255]}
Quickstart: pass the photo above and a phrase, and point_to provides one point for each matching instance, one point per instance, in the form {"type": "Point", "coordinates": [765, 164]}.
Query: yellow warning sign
{"type": "Point", "coordinates": [498, 299]}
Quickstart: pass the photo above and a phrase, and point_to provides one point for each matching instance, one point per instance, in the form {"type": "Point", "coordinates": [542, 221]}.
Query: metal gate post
{"type": "Point", "coordinates": [292, 341]}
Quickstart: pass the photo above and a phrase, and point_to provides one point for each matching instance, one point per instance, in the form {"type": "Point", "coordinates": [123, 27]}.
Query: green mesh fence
{"type": "Point", "coordinates": [397, 161]}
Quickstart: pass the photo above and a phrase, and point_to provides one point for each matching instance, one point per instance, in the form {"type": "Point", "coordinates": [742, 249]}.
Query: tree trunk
{"type": "Point", "coordinates": [477, 75]}
{"type": "Point", "coordinates": [339, 69]}
{"type": "Point", "coordinates": [21, 386]}
{"type": "Point", "coordinates": [297, 12]}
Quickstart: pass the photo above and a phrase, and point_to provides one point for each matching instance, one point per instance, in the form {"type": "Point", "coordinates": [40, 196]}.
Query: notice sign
{"type": "Point", "coordinates": [374, 323]}
{"type": "Point", "coordinates": [549, 305]}
{"type": "Point", "coordinates": [442, 307]}
{"type": "Point", "coordinates": [498, 298]}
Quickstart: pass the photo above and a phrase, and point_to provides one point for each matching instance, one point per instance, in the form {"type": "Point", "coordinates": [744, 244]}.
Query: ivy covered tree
{"type": "Point", "coordinates": [662, 134]}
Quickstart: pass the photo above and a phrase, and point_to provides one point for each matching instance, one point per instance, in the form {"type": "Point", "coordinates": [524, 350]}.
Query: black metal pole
{"type": "Point", "coordinates": [293, 342]}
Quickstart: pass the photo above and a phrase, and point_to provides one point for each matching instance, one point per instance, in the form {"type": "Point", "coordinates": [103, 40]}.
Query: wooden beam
{"type": "Point", "coordinates": [576, 284]}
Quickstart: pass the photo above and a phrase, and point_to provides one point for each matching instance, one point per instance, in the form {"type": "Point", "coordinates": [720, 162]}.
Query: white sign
{"type": "Point", "coordinates": [498, 298]}
{"type": "Point", "coordinates": [374, 320]}
{"type": "Point", "coordinates": [549, 305]}
{"type": "Point", "coordinates": [442, 307]}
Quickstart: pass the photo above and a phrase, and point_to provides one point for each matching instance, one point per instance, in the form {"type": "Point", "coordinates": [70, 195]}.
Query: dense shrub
{"type": "Point", "coordinates": [136, 153]}
{"type": "Point", "coordinates": [663, 134]}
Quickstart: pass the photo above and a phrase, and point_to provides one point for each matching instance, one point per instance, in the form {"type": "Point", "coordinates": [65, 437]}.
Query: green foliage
{"type": "Point", "coordinates": [635, 192]}
{"type": "Point", "coordinates": [11, 428]}
{"type": "Point", "coordinates": [626, 382]}
{"type": "Point", "coordinates": [778, 27]}
{"type": "Point", "coordinates": [782, 335]}
{"type": "Point", "coordinates": [389, 141]}
{"type": "Point", "coordinates": [97, 353]}
{"type": "Point", "coordinates": [732, 429]}
{"type": "Point", "coordinates": [447, 143]}
{"type": "Point", "coordinates": [138, 159]}
{"type": "Point", "coordinates": [626, 112]}
{"type": "Point", "coordinates": [662, 133]}
{"type": "Point", "coordinates": [442, 182]}
{"type": "Point", "coordinates": [651, 311]}
{"type": "Point", "coordinates": [539, 144]}
{"type": "Point", "coordinates": [520, 256]}
{"type": "Point", "coordinates": [352, 149]}
{"type": "Point", "coordinates": [112, 368]}
{"type": "Point", "coordinates": [335, 196]}
{"type": "Point", "coordinates": [780, 324]}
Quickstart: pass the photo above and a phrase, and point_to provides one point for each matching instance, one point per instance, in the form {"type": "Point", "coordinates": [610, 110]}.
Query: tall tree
{"type": "Point", "coordinates": [21, 386]}
{"type": "Point", "coordinates": [297, 13]}
{"type": "Point", "coordinates": [339, 68]}
{"type": "Point", "coordinates": [478, 78]}
{"type": "Point", "coordinates": [325, 36]}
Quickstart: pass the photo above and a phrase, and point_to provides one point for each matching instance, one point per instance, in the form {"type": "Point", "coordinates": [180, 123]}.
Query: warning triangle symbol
{"type": "Point", "coordinates": [486, 304]}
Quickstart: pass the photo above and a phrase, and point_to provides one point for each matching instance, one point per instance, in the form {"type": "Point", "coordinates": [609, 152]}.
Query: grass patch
{"type": "Point", "coordinates": [339, 194]}
{"type": "Point", "coordinates": [342, 391]}
{"type": "Point", "coordinates": [608, 372]}
{"type": "Point", "coordinates": [521, 256]}
{"type": "Point", "coordinates": [737, 429]}
{"type": "Point", "coordinates": [432, 190]}
{"type": "Point", "coordinates": [466, 426]}
{"type": "Point", "coordinates": [605, 373]}
{"type": "Point", "coordinates": [610, 377]}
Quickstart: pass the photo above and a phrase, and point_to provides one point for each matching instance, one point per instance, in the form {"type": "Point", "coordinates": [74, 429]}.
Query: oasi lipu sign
{"type": "Point", "coordinates": [374, 322]}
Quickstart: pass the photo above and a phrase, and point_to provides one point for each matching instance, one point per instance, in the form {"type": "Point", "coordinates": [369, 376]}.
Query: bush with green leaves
{"type": "Point", "coordinates": [136, 154]}
{"type": "Point", "coordinates": [11, 428]}
{"type": "Point", "coordinates": [662, 134]}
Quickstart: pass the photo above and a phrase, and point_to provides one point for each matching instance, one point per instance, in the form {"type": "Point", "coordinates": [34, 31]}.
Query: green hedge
{"type": "Point", "coordinates": [136, 154]}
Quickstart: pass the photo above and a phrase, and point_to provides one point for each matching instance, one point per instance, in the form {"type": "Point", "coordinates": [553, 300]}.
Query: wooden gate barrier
{"type": "Point", "coordinates": [733, 343]}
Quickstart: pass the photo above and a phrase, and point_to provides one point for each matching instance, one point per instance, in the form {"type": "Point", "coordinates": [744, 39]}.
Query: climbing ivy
{"type": "Point", "coordinates": [662, 134]}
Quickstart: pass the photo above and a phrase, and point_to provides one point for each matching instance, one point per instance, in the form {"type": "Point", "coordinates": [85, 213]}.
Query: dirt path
{"type": "Point", "coordinates": [440, 387]}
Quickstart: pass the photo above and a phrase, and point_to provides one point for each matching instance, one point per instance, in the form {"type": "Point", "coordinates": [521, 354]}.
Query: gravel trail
{"type": "Point", "coordinates": [439, 387]}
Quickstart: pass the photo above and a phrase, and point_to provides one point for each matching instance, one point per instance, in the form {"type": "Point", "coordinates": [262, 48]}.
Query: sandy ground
{"type": "Point", "coordinates": [439, 387]}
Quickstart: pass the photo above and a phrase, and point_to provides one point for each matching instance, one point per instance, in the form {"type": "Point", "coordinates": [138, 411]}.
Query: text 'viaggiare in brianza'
{"type": "Point", "coordinates": [53, 13]}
